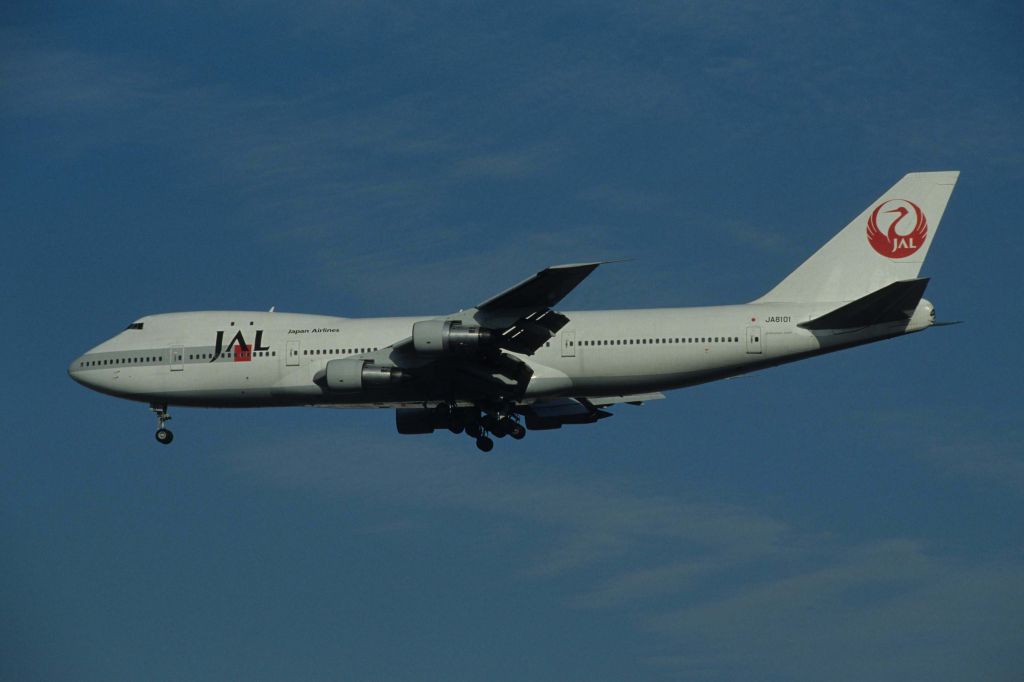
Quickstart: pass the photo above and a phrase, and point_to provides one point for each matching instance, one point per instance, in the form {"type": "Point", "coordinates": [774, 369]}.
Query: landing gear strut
{"type": "Point", "coordinates": [498, 421]}
{"type": "Point", "coordinates": [163, 435]}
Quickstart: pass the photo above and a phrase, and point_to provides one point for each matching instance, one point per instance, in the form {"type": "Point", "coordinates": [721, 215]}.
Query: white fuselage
{"type": "Point", "coordinates": [252, 359]}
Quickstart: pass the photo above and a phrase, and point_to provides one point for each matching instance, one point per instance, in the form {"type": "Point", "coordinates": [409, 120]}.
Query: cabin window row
{"type": "Point", "coordinates": [337, 351]}
{"type": "Point", "coordinates": [233, 354]}
{"type": "Point", "coordinates": [670, 340]}
{"type": "Point", "coordinates": [120, 361]}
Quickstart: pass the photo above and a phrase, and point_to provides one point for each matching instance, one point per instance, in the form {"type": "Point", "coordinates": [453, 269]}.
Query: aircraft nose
{"type": "Point", "coordinates": [76, 371]}
{"type": "Point", "coordinates": [84, 371]}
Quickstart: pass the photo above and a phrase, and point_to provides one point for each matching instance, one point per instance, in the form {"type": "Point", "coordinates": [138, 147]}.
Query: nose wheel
{"type": "Point", "coordinates": [163, 435]}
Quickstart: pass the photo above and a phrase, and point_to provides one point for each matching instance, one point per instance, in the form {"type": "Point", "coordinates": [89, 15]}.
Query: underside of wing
{"type": "Point", "coordinates": [556, 412]}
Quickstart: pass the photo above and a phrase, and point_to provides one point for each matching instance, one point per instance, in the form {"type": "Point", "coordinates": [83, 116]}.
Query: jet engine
{"type": "Point", "coordinates": [449, 337]}
{"type": "Point", "coordinates": [355, 374]}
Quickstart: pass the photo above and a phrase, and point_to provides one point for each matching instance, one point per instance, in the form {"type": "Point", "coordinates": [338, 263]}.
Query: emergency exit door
{"type": "Point", "coordinates": [568, 344]}
{"type": "Point", "coordinates": [754, 343]}
{"type": "Point", "coordinates": [177, 358]}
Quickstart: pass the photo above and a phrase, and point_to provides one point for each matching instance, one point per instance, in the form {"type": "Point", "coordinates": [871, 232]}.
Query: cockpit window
{"type": "Point", "coordinates": [134, 325]}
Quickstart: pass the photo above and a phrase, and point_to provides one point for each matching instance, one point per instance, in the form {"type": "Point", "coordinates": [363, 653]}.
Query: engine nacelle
{"type": "Point", "coordinates": [355, 374]}
{"type": "Point", "coordinates": [447, 336]}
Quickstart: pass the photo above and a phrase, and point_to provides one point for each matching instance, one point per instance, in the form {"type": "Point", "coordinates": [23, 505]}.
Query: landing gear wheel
{"type": "Point", "coordinates": [517, 431]}
{"type": "Point", "coordinates": [501, 427]}
{"type": "Point", "coordinates": [485, 444]}
{"type": "Point", "coordinates": [163, 435]}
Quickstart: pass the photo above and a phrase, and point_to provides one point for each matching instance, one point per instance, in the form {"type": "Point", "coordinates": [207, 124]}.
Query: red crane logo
{"type": "Point", "coordinates": [892, 243]}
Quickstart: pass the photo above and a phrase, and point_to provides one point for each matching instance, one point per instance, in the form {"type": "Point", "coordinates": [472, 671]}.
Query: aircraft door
{"type": "Point", "coordinates": [754, 340]}
{"type": "Point", "coordinates": [177, 358]}
{"type": "Point", "coordinates": [292, 353]}
{"type": "Point", "coordinates": [568, 344]}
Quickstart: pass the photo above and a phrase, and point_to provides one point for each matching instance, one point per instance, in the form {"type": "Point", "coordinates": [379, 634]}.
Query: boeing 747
{"type": "Point", "coordinates": [514, 362]}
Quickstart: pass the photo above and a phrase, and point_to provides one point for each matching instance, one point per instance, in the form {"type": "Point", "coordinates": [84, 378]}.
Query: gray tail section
{"type": "Point", "coordinates": [885, 244]}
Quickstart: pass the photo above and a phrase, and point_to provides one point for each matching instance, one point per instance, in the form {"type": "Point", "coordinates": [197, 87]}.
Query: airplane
{"type": "Point", "coordinates": [513, 363]}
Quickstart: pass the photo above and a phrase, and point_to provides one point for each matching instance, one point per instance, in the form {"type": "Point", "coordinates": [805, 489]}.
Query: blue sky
{"type": "Point", "coordinates": [851, 517]}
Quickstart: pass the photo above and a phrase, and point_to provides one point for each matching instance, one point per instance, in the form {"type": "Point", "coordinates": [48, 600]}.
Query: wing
{"type": "Point", "coordinates": [529, 303]}
{"type": "Point", "coordinates": [545, 289]}
{"type": "Point", "coordinates": [473, 349]}
{"type": "Point", "coordinates": [519, 319]}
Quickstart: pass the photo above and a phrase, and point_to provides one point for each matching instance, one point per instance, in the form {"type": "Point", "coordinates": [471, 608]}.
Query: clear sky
{"type": "Point", "coordinates": [852, 517]}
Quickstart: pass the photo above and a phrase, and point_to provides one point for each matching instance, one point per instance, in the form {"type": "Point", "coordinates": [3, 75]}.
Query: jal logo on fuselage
{"type": "Point", "coordinates": [245, 351]}
{"type": "Point", "coordinates": [892, 236]}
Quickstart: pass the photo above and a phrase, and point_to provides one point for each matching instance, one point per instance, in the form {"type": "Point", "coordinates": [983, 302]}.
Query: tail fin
{"type": "Point", "coordinates": [886, 243]}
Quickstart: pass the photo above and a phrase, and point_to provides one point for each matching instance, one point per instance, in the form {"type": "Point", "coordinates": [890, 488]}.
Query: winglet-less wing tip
{"type": "Point", "coordinates": [543, 290]}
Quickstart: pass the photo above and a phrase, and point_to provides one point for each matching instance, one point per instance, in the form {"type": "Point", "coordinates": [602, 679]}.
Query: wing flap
{"type": "Point", "coordinates": [529, 333]}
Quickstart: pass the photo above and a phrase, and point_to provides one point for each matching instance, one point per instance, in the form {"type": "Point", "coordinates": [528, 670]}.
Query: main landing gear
{"type": "Point", "coordinates": [163, 435]}
{"type": "Point", "coordinates": [483, 422]}
{"type": "Point", "coordinates": [498, 422]}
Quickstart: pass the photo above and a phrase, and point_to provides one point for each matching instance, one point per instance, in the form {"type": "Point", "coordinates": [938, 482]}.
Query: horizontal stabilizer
{"type": "Point", "coordinates": [893, 303]}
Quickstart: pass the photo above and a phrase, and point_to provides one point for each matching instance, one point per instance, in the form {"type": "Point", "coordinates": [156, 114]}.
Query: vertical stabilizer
{"type": "Point", "coordinates": [886, 243]}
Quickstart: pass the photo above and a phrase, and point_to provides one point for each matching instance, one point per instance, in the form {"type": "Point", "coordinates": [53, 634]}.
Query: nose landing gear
{"type": "Point", "coordinates": [163, 436]}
